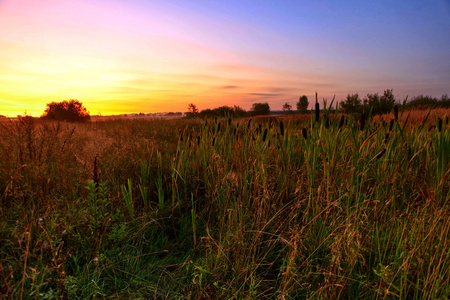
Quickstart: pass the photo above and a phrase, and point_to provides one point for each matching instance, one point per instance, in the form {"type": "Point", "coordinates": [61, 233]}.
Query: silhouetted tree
{"type": "Point", "coordinates": [71, 111]}
{"type": "Point", "coordinates": [193, 110]}
{"type": "Point", "coordinates": [260, 109]}
{"type": "Point", "coordinates": [287, 108]}
{"type": "Point", "coordinates": [351, 105]}
{"type": "Point", "coordinates": [302, 105]}
{"type": "Point", "coordinates": [379, 105]}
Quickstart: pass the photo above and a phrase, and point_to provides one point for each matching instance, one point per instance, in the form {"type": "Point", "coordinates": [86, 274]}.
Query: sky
{"type": "Point", "coordinates": [147, 56]}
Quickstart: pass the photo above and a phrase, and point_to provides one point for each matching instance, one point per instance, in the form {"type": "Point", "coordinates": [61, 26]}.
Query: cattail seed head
{"type": "Point", "coordinates": [446, 120]}
{"type": "Point", "coordinates": [391, 125]}
{"type": "Point", "coordinates": [229, 121]}
{"type": "Point", "coordinates": [218, 126]}
{"type": "Point", "coordinates": [265, 135]}
{"type": "Point", "coordinates": [281, 128]}
{"type": "Point", "coordinates": [341, 123]}
{"type": "Point", "coordinates": [439, 126]}
{"type": "Point", "coordinates": [213, 141]}
{"type": "Point", "coordinates": [304, 133]}
{"type": "Point", "coordinates": [198, 141]}
{"type": "Point", "coordinates": [249, 124]}
{"type": "Point", "coordinates": [317, 111]}
{"type": "Point", "coordinates": [379, 155]}
{"type": "Point", "coordinates": [362, 121]}
{"type": "Point", "coordinates": [396, 112]}
{"type": "Point", "coordinates": [386, 138]}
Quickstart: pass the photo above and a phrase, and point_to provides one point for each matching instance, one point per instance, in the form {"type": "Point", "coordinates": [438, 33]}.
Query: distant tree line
{"type": "Point", "coordinates": [429, 102]}
{"type": "Point", "coordinates": [260, 108]}
{"type": "Point", "coordinates": [229, 111]}
{"type": "Point", "coordinates": [74, 111]}
{"type": "Point", "coordinates": [381, 104]}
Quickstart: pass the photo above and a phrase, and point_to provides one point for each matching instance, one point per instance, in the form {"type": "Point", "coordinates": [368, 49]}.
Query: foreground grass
{"type": "Point", "coordinates": [225, 209]}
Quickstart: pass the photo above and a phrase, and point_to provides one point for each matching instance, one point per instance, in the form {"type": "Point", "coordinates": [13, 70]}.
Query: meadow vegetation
{"type": "Point", "coordinates": [227, 208]}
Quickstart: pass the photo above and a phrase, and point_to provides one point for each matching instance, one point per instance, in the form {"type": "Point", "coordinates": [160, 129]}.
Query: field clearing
{"type": "Point", "coordinates": [268, 207]}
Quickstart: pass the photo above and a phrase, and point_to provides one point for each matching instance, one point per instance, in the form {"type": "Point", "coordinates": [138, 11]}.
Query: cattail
{"type": "Point", "coordinates": [317, 111]}
{"type": "Point", "coordinates": [281, 128]}
{"type": "Point", "coordinates": [198, 141]}
{"type": "Point", "coordinates": [265, 135]}
{"type": "Point", "coordinates": [96, 177]}
{"type": "Point", "coordinates": [446, 120]}
{"type": "Point", "coordinates": [341, 123]}
{"type": "Point", "coordinates": [181, 136]}
{"type": "Point", "coordinates": [379, 155]}
{"type": "Point", "coordinates": [249, 124]}
{"type": "Point", "coordinates": [396, 112]}
{"type": "Point", "coordinates": [327, 122]}
{"type": "Point", "coordinates": [362, 121]}
{"type": "Point", "coordinates": [215, 120]}
{"type": "Point", "coordinates": [260, 129]}
{"type": "Point", "coordinates": [213, 141]}
{"type": "Point", "coordinates": [391, 125]}
{"type": "Point", "coordinates": [235, 131]}
{"type": "Point", "coordinates": [386, 138]}
{"type": "Point", "coordinates": [229, 121]}
{"type": "Point", "coordinates": [439, 124]}
{"type": "Point", "coordinates": [305, 133]}
{"type": "Point", "coordinates": [206, 122]}
{"type": "Point", "coordinates": [431, 128]}
{"type": "Point", "coordinates": [218, 126]}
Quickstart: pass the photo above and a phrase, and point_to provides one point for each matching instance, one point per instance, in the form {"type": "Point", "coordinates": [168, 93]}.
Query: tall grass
{"type": "Point", "coordinates": [227, 209]}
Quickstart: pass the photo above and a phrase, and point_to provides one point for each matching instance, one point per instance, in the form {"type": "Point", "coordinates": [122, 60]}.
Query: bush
{"type": "Point", "coordinates": [260, 109]}
{"type": "Point", "coordinates": [71, 111]}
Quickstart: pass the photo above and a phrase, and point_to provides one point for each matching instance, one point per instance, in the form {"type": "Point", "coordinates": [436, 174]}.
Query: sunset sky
{"type": "Point", "coordinates": [158, 56]}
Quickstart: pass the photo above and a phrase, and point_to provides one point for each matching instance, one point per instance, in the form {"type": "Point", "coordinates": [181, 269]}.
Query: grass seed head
{"type": "Point", "coordinates": [95, 176]}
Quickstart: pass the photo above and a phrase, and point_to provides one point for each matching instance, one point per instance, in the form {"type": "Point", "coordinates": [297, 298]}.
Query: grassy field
{"type": "Point", "coordinates": [275, 208]}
